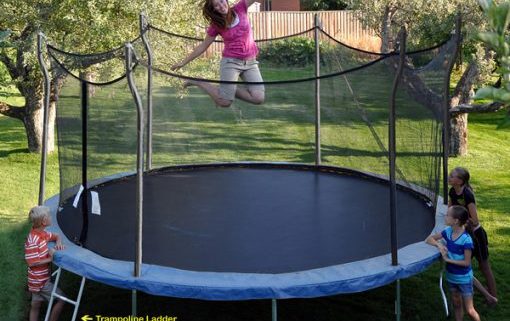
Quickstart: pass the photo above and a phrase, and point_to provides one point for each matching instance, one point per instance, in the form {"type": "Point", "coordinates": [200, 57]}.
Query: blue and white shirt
{"type": "Point", "coordinates": [455, 273]}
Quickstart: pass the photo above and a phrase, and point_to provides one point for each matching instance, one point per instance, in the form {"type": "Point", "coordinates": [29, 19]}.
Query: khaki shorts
{"type": "Point", "coordinates": [45, 293]}
{"type": "Point", "coordinates": [231, 69]}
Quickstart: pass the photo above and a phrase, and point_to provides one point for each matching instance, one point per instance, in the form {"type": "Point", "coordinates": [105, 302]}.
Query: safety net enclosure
{"type": "Point", "coordinates": [250, 201]}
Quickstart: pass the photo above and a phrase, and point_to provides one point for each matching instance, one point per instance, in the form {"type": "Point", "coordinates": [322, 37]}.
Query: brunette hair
{"type": "Point", "coordinates": [463, 174]}
{"type": "Point", "coordinates": [216, 18]}
{"type": "Point", "coordinates": [460, 213]}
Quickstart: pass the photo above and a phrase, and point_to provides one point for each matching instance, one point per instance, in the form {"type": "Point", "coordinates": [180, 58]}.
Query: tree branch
{"type": "Point", "coordinates": [9, 64]}
{"type": "Point", "coordinates": [461, 93]}
{"type": "Point", "coordinates": [477, 108]}
{"type": "Point", "coordinates": [12, 111]}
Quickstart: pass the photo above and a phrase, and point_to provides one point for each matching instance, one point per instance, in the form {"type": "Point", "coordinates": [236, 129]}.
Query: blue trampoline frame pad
{"type": "Point", "coordinates": [165, 281]}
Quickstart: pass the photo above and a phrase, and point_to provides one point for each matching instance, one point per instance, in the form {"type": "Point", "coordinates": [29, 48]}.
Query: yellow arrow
{"type": "Point", "coordinates": [86, 318]}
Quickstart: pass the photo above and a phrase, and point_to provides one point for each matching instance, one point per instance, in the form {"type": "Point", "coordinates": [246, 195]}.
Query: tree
{"type": "Point", "coordinates": [428, 25]}
{"type": "Point", "coordinates": [315, 5]}
{"type": "Point", "coordinates": [77, 26]}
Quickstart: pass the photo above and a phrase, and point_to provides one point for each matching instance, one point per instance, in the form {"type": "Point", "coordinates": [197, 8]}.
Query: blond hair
{"type": "Point", "coordinates": [37, 214]}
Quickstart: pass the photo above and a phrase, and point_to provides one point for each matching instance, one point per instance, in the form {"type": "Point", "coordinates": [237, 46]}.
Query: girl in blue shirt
{"type": "Point", "coordinates": [457, 255]}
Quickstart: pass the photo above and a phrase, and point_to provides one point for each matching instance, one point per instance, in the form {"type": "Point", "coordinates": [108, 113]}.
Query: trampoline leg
{"type": "Point", "coordinates": [133, 303]}
{"type": "Point", "coordinates": [397, 302]}
{"type": "Point", "coordinates": [274, 315]}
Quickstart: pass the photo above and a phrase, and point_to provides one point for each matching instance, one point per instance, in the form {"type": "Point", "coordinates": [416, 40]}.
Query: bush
{"type": "Point", "coordinates": [297, 51]}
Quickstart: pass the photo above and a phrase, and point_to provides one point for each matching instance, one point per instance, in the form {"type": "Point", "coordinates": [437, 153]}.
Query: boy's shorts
{"type": "Point", "coordinates": [465, 289]}
{"type": "Point", "coordinates": [231, 69]}
{"type": "Point", "coordinates": [45, 293]}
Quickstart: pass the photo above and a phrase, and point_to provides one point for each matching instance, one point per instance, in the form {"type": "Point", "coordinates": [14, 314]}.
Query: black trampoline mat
{"type": "Point", "coordinates": [249, 219]}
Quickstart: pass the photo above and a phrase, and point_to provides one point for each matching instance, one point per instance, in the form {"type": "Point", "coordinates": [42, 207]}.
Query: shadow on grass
{"type": "Point", "coordinates": [6, 153]}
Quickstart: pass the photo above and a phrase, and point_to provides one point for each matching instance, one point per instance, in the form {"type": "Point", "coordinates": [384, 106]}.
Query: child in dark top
{"type": "Point", "coordinates": [457, 255]}
{"type": "Point", "coordinates": [462, 194]}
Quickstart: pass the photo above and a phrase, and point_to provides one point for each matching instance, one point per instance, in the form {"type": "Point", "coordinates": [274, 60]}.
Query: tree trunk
{"type": "Point", "coordinates": [459, 122]}
{"type": "Point", "coordinates": [459, 135]}
{"type": "Point", "coordinates": [387, 38]}
{"type": "Point", "coordinates": [33, 122]}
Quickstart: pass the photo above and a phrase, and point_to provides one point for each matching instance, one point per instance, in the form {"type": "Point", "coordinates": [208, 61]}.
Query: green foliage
{"type": "Point", "coordinates": [291, 52]}
{"type": "Point", "coordinates": [496, 38]}
{"type": "Point", "coordinates": [315, 5]}
{"type": "Point", "coordinates": [84, 26]}
{"type": "Point", "coordinates": [4, 43]}
{"type": "Point", "coordinates": [4, 35]}
{"type": "Point", "coordinates": [426, 24]}
{"type": "Point", "coordinates": [5, 79]}
{"type": "Point", "coordinates": [299, 51]}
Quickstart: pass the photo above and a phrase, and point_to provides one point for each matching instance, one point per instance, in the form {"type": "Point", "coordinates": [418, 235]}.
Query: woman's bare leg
{"type": "Point", "coordinates": [211, 90]}
{"type": "Point", "coordinates": [254, 97]}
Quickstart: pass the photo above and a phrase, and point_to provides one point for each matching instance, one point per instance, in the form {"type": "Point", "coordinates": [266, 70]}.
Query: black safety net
{"type": "Point", "coordinates": [354, 90]}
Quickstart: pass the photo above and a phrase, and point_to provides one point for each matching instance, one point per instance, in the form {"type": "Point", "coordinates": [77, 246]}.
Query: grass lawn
{"type": "Point", "coordinates": [254, 133]}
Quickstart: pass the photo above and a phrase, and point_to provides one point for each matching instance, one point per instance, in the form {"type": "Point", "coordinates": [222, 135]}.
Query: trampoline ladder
{"type": "Point", "coordinates": [63, 298]}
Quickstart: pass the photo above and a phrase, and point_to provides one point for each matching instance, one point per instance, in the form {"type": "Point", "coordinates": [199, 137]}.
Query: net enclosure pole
{"type": "Point", "coordinates": [317, 93]}
{"type": "Point", "coordinates": [46, 108]}
{"type": "Point", "coordinates": [84, 137]}
{"type": "Point", "coordinates": [446, 107]}
{"type": "Point", "coordinates": [392, 148]}
{"type": "Point", "coordinates": [139, 158]}
{"type": "Point", "coordinates": [144, 29]}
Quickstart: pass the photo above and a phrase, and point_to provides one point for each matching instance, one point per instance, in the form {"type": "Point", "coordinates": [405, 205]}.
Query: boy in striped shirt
{"type": "Point", "coordinates": [457, 255]}
{"type": "Point", "coordinates": [38, 258]}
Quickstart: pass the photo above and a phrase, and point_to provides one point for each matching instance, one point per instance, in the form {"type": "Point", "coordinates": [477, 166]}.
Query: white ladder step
{"type": "Point", "coordinates": [63, 298]}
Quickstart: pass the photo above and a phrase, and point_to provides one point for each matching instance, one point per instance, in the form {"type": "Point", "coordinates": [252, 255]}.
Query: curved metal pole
{"type": "Point", "coordinates": [392, 149]}
{"type": "Point", "coordinates": [46, 108]}
{"type": "Point", "coordinates": [143, 32]}
{"type": "Point", "coordinates": [139, 158]}
{"type": "Point", "coordinates": [317, 94]}
{"type": "Point", "coordinates": [446, 108]}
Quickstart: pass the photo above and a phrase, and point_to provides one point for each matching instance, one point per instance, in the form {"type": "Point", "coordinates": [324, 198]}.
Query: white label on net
{"type": "Point", "coordinates": [96, 206]}
{"type": "Point", "coordinates": [77, 197]}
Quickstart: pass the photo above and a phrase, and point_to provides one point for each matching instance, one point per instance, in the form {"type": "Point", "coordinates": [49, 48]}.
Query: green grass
{"type": "Point", "coordinates": [282, 130]}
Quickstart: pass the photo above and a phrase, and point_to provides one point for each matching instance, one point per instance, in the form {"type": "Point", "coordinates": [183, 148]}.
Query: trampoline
{"type": "Point", "coordinates": [250, 231]}
{"type": "Point", "coordinates": [239, 204]}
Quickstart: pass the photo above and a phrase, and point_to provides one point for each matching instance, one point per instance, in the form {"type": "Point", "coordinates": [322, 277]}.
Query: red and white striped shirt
{"type": "Point", "coordinates": [36, 249]}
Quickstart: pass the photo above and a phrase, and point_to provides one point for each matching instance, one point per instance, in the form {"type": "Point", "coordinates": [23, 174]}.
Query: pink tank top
{"type": "Point", "coordinates": [238, 40]}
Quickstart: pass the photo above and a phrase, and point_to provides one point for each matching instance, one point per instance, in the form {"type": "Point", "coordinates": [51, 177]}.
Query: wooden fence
{"type": "Point", "coordinates": [342, 25]}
